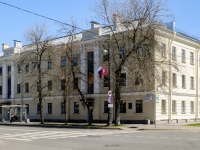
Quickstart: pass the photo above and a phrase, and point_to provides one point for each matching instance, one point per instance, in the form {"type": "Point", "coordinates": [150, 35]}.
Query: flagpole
{"type": "Point", "coordinates": [109, 123]}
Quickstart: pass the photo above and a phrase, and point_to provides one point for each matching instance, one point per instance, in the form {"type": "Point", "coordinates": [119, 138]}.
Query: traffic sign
{"type": "Point", "coordinates": [110, 100]}
{"type": "Point", "coordinates": [109, 93]}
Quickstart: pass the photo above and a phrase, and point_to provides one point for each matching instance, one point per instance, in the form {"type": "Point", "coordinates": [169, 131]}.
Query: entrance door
{"type": "Point", "coordinates": [7, 115]}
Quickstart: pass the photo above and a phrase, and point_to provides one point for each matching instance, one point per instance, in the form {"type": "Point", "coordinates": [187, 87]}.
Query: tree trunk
{"type": "Point", "coordinates": [41, 111]}
{"type": "Point", "coordinates": [117, 97]}
{"type": "Point", "coordinates": [90, 116]}
{"type": "Point", "coordinates": [117, 113]}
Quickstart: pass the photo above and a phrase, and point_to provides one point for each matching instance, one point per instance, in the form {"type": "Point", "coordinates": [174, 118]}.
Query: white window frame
{"type": "Point", "coordinates": [174, 57]}
{"type": "Point", "coordinates": [174, 79]}
{"type": "Point", "coordinates": [163, 107]}
{"type": "Point", "coordinates": [173, 106]}
{"type": "Point", "coordinates": [192, 83]}
{"type": "Point", "coordinates": [183, 81]}
{"type": "Point", "coordinates": [183, 107]}
{"type": "Point", "coordinates": [183, 56]}
{"type": "Point", "coordinates": [191, 58]}
{"type": "Point", "coordinates": [164, 74]}
{"type": "Point", "coordinates": [163, 50]}
{"type": "Point", "coordinates": [191, 106]}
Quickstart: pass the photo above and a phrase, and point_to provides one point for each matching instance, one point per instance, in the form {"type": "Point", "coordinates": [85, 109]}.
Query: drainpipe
{"type": "Point", "coordinates": [197, 85]}
{"type": "Point", "coordinates": [170, 78]}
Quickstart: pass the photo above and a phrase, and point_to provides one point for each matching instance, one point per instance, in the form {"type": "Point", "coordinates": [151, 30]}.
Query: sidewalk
{"type": "Point", "coordinates": [137, 127]}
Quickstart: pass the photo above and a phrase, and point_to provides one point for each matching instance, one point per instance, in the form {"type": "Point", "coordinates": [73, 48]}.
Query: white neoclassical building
{"type": "Point", "coordinates": [177, 101]}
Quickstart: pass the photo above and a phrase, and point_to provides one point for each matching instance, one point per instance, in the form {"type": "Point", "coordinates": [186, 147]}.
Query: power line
{"type": "Point", "coordinates": [45, 17]}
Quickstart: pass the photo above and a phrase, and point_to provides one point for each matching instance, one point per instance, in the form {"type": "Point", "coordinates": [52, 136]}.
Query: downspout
{"type": "Point", "coordinates": [170, 78]}
{"type": "Point", "coordinates": [197, 85]}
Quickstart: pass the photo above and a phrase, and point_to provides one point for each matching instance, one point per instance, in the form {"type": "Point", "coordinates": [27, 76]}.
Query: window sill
{"type": "Point", "coordinates": [191, 112]}
{"type": "Point", "coordinates": [76, 113]}
{"type": "Point", "coordinates": [183, 113]}
{"type": "Point", "coordinates": [164, 113]}
{"type": "Point", "coordinates": [49, 113]}
{"type": "Point", "coordinates": [191, 88]}
{"type": "Point", "coordinates": [138, 113]}
{"type": "Point", "coordinates": [183, 87]}
{"type": "Point", "coordinates": [183, 62]}
{"type": "Point", "coordinates": [192, 64]}
{"type": "Point", "coordinates": [174, 113]}
{"type": "Point", "coordinates": [175, 86]}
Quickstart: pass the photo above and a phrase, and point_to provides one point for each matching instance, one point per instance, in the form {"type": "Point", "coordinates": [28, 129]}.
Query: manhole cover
{"type": "Point", "coordinates": [112, 145]}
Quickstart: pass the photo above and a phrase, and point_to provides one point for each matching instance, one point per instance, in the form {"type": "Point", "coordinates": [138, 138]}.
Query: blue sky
{"type": "Point", "coordinates": [14, 22]}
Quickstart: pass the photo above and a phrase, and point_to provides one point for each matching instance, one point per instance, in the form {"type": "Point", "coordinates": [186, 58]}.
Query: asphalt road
{"type": "Point", "coordinates": [35, 138]}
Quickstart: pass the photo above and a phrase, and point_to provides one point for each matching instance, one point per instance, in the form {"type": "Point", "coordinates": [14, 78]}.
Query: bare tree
{"type": "Point", "coordinates": [133, 42]}
{"type": "Point", "coordinates": [35, 60]}
{"type": "Point", "coordinates": [71, 73]}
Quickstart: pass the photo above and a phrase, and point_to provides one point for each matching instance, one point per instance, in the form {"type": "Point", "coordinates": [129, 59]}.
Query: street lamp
{"type": "Point", "coordinates": [109, 123]}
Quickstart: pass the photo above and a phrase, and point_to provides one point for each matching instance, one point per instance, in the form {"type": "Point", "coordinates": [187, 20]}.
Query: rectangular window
{"type": "Point", "coordinates": [75, 83]}
{"type": "Point", "coordinates": [138, 106]}
{"type": "Point", "coordinates": [183, 81]}
{"type": "Point", "coordinates": [63, 61]}
{"type": "Point", "coordinates": [183, 107]}
{"type": "Point", "coordinates": [27, 108]}
{"type": "Point", "coordinates": [76, 107]}
{"type": "Point", "coordinates": [173, 53]}
{"type": "Point", "coordinates": [105, 57]}
{"type": "Point", "coordinates": [183, 55]}
{"type": "Point", "coordinates": [49, 63]}
{"type": "Point", "coordinates": [163, 50]}
{"type": "Point", "coordinates": [164, 77]}
{"type": "Point", "coordinates": [0, 71]}
{"type": "Point", "coordinates": [192, 107]}
{"type": "Point", "coordinates": [38, 86]}
{"type": "Point", "coordinates": [9, 69]}
{"type": "Point", "coordinates": [122, 80]}
{"type": "Point", "coordinates": [163, 106]}
{"type": "Point", "coordinates": [26, 88]}
{"type": "Point", "coordinates": [50, 85]}
{"type": "Point", "coordinates": [75, 59]}
{"type": "Point", "coordinates": [49, 108]}
{"type": "Point", "coordinates": [105, 107]}
{"type": "Point", "coordinates": [191, 82]}
{"type": "Point", "coordinates": [27, 68]}
{"type": "Point", "coordinates": [0, 90]}
{"type": "Point", "coordinates": [63, 84]}
{"type": "Point", "coordinates": [138, 78]}
{"type": "Point", "coordinates": [62, 108]}
{"type": "Point", "coordinates": [18, 88]}
{"type": "Point", "coordinates": [129, 105]}
{"type": "Point", "coordinates": [38, 108]}
{"type": "Point", "coordinates": [106, 81]}
{"type": "Point", "coordinates": [174, 79]}
{"type": "Point", "coordinates": [18, 109]}
{"type": "Point", "coordinates": [123, 106]}
{"type": "Point", "coordinates": [191, 58]}
{"type": "Point", "coordinates": [173, 106]}
{"type": "Point", "coordinates": [122, 52]}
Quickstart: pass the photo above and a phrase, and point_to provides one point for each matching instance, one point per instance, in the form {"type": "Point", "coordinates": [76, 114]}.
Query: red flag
{"type": "Point", "coordinates": [104, 71]}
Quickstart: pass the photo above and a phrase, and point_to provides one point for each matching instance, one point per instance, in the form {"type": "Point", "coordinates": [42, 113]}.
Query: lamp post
{"type": "Point", "coordinates": [109, 123]}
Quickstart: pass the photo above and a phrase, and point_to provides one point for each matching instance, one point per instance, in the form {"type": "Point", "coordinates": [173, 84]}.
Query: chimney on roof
{"type": "Point", "coordinates": [94, 24]}
{"type": "Point", "coordinates": [17, 43]}
{"type": "Point", "coordinates": [116, 21]}
{"type": "Point", "coordinates": [4, 46]}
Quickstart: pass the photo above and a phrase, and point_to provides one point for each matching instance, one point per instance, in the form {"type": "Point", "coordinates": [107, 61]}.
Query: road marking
{"type": "Point", "coordinates": [164, 137]}
{"type": "Point", "coordinates": [192, 139]}
{"type": "Point", "coordinates": [177, 138]}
